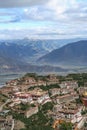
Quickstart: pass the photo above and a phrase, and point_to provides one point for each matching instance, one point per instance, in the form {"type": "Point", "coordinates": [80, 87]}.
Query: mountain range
{"type": "Point", "coordinates": [20, 54]}
{"type": "Point", "coordinates": [71, 54]}
{"type": "Point", "coordinates": [41, 55]}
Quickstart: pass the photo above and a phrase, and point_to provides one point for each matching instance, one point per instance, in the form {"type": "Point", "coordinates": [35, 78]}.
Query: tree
{"type": "Point", "coordinates": [65, 126]}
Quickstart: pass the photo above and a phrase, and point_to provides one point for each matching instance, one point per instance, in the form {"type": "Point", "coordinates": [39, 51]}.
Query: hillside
{"type": "Point", "coordinates": [18, 57]}
{"type": "Point", "coordinates": [74, 53]}
{"type": "Point", "coordinates": [20, 54]}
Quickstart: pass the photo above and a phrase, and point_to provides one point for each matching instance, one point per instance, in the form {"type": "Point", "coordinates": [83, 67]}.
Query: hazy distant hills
{"type": "Point", "coordinates": [18, 55]}
{"type": "Point", "coordinates": [19, 51]}
{"type": "Point", "coordinates": [70, 54]}
{"type": "Point", "coordinates": [26, 50]}
{"type": "Point", "coordinates": [41, 55]}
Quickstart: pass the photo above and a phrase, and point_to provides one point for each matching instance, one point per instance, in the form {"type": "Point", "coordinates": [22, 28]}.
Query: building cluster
{"type": "Point", "coordinates": [27, 82]}
{"type": "Point", "coordinates": [66, 107]}
{"type": "Point", "coordinates": [35, 96]}
{"type": "Point", "coordinates": [27, 90]}
{"type": "Point", "coordinates": [6, 123]}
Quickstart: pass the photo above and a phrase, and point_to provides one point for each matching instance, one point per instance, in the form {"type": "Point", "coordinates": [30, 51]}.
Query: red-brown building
{"type": "Point", "coordinates": [84, 99]}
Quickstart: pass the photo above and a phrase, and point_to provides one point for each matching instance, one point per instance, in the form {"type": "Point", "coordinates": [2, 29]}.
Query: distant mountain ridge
{"type": "Point", "coordinates": [25, 50]}
{"type": "Point", "coordinates": [23, 54]}
{"type": "Point", "coordinates": [19, 55]}
{"type": "Point", "coordinates": [70, 54]}
{"type": "Point", "coordinates": [28, 50]}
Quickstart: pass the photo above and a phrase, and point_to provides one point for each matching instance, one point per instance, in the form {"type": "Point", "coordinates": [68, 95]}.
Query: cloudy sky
{"type": "Point", "coordinates": [43, 19]}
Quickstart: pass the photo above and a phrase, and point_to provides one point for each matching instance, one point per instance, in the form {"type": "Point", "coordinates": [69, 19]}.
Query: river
{"type": "Point", "coordinates": [7, 77]}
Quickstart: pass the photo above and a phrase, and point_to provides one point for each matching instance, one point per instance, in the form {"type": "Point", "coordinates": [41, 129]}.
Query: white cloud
{"type": "Point", "coordinates": [20, 3]}
{"type": "Point", "coordinates": [57, 10]}
{"type": "Point", "coordinates": [54, 18]}
{"type": "Point", "coordinates": [53, 10]}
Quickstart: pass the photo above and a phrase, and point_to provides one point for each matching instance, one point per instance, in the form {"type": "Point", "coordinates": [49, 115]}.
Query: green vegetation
{"type": "Point", "coordinates": [34, 75]}
{"type": "Point", "coordinates": [36, 122]}
{"type": "Point", "coordinates": [47, 106]}
{"type": "Point", "coordinates": [44, 78]}
{"type": "Point", "coordinates": [85, 124]}
{"type": "Point", "coordinates": [81, 78]}
{"type": "Point", "coordinates": [30, 75]}
{"type": "Point", "coordinates": [3, 97]}
{"type": "Point", "coordinates": [24, 107]}
{"type": "Point", "coordinates": [78, 100]}
{"type": "Point", "coordinates": [39, 121]}
{"type": "Point", "coordinates": [62, 78]}
{"type": "Point", "coordinates": [65, 126]}
{"type": "Point", "coordinates": [45, 88]}
{"type": "Point", "coordinates": [83, 112]}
